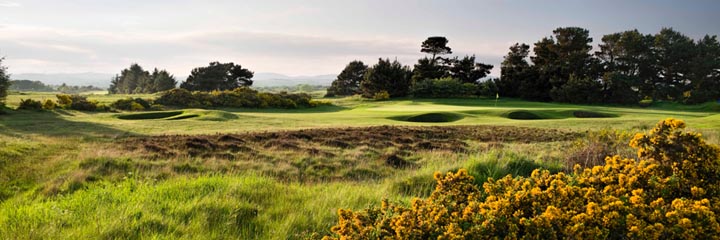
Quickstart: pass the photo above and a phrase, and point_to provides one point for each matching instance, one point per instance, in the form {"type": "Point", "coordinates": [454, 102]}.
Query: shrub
{"type": "Point", "coordinates": [81, 103]}
{"type": "Point", "coordinates": [49, 104]}
{"type": "Point", "coordinates": [64, 100]}
{"type": "Point", "coordinates": [645, 103]}
{"type": "Point", "coordinates": [671, 192]}
{"type": "Point", "coordinates": [175, 97]}
{"type": "Point", "coordinates": [381, 95]}
{"type": "Point", "coordinates": [29, 104]}
{"type": "Point", "coordinates": [78, 102]}
{"type": "Point", "coordinates": [240, 97]}
{"type": "Point", "coordinates": [130, 104]}
{"type": "Point", "coordinates": [592, 150]}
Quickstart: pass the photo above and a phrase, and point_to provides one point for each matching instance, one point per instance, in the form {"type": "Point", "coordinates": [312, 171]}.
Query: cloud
{"type": "Point", "coordinates": [9, 4]}
{"type": "Point", "coordinates": [70, 50]}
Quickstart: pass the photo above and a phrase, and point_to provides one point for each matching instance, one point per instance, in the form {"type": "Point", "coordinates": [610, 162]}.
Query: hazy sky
{"type": "Point", "coordinates": [305, 37]}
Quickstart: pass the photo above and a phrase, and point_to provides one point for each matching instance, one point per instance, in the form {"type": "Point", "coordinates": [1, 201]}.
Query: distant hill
{"type": "Point", "coordinates": [262, 79]}
{"type": "Point", "coordinates": [275, 79]}
{"type": "Point", "coordinates": [101, 80]}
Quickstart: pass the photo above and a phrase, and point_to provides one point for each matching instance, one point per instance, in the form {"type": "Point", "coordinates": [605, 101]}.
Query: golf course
{"type": "Point", "coordinates": [229, 173]}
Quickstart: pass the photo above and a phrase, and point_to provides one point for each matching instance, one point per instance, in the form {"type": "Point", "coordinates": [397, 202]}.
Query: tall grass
{"type": "Point", "coordinates": [208, 207]}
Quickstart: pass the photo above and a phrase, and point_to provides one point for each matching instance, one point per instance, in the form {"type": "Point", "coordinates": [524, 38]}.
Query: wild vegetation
{"type": "Point", "coordinates": [670, 192]}
{"type": "Point", "coordinates": [282, 173]}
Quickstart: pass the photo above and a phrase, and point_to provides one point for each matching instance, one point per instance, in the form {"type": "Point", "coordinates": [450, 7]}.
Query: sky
{"type": "Point", "coordinates": [310, 37]}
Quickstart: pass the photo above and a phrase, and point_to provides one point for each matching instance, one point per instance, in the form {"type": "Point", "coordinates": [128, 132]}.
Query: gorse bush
{"type": "Point", "coordinates": [132, 104]}
{"type": "Point", "coordinates": [29, 104]}
{"type": "Point", "coordinates": [671, 192]}
{"type": "Point", "coordinates": [239, 97]}
{"type": "Point", "coordinates": [78, 102]}
{"type": "Point", "coordinates": [381, 96]}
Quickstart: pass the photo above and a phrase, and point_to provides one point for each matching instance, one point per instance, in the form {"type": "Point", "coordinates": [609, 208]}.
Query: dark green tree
{"type": "Point", "coordinates": [705, 71]}
{"type": "Point", "coordinates": [162, 80]}
{"type": "Point", "coordinates": [572, 48]}
{"type": "Point", "coordinates": [348, 81]}
{"type": "Point", "coordinates": [674, 55]}
{"type": "Point", "coordinates": [620, 88]}
{"type": "Point", "coordinates": [436, 46]}
{"type": "Point", "coordinates": [388, 76]}
{"type": "Point", "coordinates": [544, 69]}
{"type": "Point", "coordinates": [579, 90]}
{"type": "Point", "coordinates": [131, 80]}
{"type": "Point", "coordinates": [467, 70]}
{"type": "Point", "coordinates": [426, 69]}
{"type": "Point", "coordinates": [566, 54]}
{"type": "Point", "coordinates": [627, 61]}
{"type": "Point", "coordinates": [4, 82]}
{"type": "Point", "coordinates": [513, 70]}
{"type": "Point", "coordinates": [218, 76]}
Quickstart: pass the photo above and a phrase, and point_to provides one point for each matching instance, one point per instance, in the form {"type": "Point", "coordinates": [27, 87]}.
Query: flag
{"type": "Point", "coordinates": [497, 95]}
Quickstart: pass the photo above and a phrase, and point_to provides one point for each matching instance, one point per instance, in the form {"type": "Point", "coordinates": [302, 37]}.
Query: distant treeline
{"type": "Point", "coordinates": [437, 76]}
{"type": "Point", "coordinates": [38, 86]}
{"type": "Point", "coordinates": [306, 88]}
{"type": "Point", "coordinates": [215, 76]}
{"type": "Point", "coordinates": [629, 67]}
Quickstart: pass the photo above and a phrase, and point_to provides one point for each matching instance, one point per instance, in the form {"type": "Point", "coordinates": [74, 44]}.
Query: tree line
{"type": "Point", "coordinates": [215, 76]}
{"type": "Point", "coordinates": [629, 67]}
{"type": "Point", "coordinates": [430, 77]}
{"type": "Point", "coordinates": [38, 86]}
{"type": "Point", "coordinates": [4, 84]}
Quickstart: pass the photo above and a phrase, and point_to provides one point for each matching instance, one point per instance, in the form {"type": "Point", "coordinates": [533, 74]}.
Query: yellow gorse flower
{"type": "Point", "coordinates": [671, 192]}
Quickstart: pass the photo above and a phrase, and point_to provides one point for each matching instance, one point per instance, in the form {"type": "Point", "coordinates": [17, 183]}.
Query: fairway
{"type": "Point", "coordinates": [349, 112]}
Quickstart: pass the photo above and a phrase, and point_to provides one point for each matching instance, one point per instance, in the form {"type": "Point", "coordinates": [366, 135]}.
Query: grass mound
{"type": "Point", "coordinates": [203, 115]}
{"type": "Point", "coordinates": [214, 116]}
{"type": "Point", "coordinates": [523, 115]}
{"type": "Point", "coordinates": [149, 115]}
{"type": "Point", "coordinates": [181, 117]}
{"type": "Point", "coordinates": [588, 114]}
{"type": "Point", "coordinates": [430, 118]}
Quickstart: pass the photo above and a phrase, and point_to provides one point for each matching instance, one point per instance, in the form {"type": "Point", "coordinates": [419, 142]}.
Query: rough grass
{"type": "Point", "coordinates": [274, 173]}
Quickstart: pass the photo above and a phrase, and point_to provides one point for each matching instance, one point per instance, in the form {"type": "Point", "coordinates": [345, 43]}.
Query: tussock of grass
{"type": "Point", "coordinates": [492, 164]}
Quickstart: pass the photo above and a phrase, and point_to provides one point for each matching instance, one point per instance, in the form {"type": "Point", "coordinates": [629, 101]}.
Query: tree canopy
{"type": "Point", "coordinates": [386, 75]}
{"type": "Point", "coordinates": [136, 80]}
{"type": "Point", "coordinates": [348, 81]}
{"type": "Point", "coordinates": [629, 66]}
{"type": "Point", "coordinates": [218, 76]}
{"type": "Point", "coordinates": [4, 82]}
{"type": "Point", "coordinates": [436, 46]}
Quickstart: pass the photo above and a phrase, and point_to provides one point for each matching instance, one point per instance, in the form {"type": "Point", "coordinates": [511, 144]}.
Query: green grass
{"type": "Point", "coordinates": [13, 99]}
{"type": "Point", "coordinates": [63, 174]}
